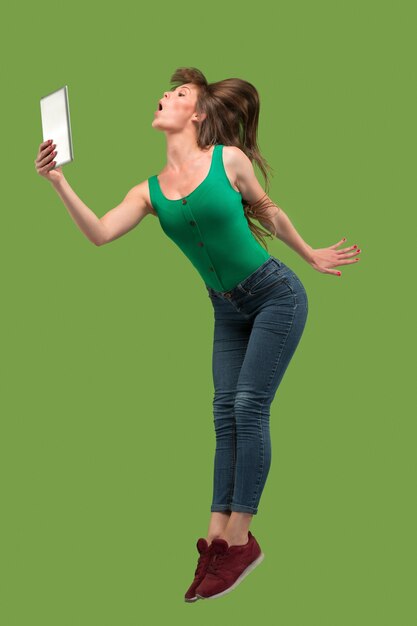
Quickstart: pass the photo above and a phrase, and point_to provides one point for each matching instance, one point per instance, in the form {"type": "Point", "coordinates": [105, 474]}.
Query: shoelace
{"type": "Point", "coordinates": [215, 562]}
{"type": "Point", "coordinates": [201, 562]}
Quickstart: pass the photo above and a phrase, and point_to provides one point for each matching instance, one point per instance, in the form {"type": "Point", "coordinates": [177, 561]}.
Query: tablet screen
{"type": "Point", "coordinates": [56, 124]}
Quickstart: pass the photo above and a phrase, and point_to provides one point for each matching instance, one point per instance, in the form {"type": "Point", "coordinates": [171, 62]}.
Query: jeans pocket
{"type": "Point", "coordinates": [264, 282]}
{"type": "Point", "coordinates": [299, 287]}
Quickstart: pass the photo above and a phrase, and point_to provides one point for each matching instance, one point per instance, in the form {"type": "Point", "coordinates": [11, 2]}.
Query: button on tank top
{"type": "Point", "coordinates": [210, 227]}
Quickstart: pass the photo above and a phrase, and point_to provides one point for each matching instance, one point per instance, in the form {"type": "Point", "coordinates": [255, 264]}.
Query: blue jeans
{"type": "Point", "coordinates": [257, 327]}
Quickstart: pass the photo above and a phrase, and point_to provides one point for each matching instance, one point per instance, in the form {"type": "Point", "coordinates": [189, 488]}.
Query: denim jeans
{"type": "Point", "coordinates": [257, 327]}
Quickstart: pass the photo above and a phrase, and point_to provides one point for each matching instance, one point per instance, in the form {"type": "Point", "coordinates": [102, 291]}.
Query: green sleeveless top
{"type": "Point", "coordinates": [210, 227]}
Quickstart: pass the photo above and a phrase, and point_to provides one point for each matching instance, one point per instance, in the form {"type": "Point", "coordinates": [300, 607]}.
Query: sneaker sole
{"type": "Point", "coordinates": [243, 575]}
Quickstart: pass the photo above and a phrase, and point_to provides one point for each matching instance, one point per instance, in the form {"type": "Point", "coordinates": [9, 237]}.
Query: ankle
{"type": "Point", "coordinates": [213, 536]}
{"type": "Point", "coordinates": [235, 539]}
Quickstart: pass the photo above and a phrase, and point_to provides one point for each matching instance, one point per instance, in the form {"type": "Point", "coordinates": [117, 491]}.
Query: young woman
{"type": "Point", "coordinates": [204, 199]}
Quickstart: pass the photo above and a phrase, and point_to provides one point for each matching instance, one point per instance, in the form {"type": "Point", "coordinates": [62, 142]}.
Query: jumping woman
{"type": "Point", "coordinates": [204, 198]}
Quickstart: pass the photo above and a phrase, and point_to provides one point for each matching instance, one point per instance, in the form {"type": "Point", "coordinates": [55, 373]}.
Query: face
{"type": "Point", "coordinates": [178, 109]}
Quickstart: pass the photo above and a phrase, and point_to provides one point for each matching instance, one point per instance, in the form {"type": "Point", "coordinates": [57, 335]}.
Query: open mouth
{"type": "Point", "coordinates": [160, 107]}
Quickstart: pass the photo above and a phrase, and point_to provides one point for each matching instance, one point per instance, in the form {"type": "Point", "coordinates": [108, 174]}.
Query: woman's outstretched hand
{"type": "Point", "coordinates": [324, 259]}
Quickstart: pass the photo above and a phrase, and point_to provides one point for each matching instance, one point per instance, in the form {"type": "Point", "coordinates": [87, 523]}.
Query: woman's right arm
{"type": "Point", "coordinates": [115, 223]}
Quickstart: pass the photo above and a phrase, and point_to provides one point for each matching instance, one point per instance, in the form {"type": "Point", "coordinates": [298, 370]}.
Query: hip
{"type": "Point", "coordinates": [272, 282]}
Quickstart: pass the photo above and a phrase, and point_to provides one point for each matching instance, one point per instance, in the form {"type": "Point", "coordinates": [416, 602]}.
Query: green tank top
{"type": "Point", "coordinates": [210, 227]}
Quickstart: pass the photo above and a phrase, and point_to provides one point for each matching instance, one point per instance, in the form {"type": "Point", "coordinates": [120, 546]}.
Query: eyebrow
{"type": "Point", "coordinates": [175, 88]}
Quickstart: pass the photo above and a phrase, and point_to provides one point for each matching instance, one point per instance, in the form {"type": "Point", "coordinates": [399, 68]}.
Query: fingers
{"type": "Point", "coordinates": [44, 149]}
{"type": "Point", "coordinates": [44, 160]}
{"type": "Point", "coordinates": [338, 243]}
{"type": "Point", "coordinates": [344, 262]}
{"type": "Point", "coordinates": [327, 270]}
{"type": "Point", "coordinates": [47, 167]}
{"type": "Point", "coordinates": [343, 250]}
{"type": "Point", "coordinates": [346, 255]}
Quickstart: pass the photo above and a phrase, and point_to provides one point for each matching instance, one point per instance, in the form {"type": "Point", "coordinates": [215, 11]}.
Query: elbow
{"type": "Point", "coordinates": [98, 242]}
{"type": "Point", "coordinates": [101, 239]}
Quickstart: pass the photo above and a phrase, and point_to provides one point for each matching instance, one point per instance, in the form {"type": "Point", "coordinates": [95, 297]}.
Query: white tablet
{"type": "Point", "coordinates": [56, 124]}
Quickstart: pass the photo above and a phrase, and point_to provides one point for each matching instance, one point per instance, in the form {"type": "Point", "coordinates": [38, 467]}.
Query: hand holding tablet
{"type": "Point", "coordinates": [45, 164]}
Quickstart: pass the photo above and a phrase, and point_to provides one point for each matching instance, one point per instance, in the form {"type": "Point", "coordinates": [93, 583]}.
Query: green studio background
{"type": "Point", "coordinates": [107, 435]}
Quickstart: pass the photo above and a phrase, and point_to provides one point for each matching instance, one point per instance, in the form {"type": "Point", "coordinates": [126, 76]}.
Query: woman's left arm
{"type": "Point", "coordinates": [320, 259]}
{"type": "Point", "coordinates": [285, 230]}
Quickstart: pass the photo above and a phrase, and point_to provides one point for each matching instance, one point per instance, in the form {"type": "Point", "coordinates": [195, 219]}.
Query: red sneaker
{"type": "Point", "coordinates": [205, 551]}
{"type": "Point", "coordinates": [228, 567]}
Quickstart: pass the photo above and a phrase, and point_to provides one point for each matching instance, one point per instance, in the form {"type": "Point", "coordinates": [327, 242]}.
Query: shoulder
{"type": "Point", "coordinates": [237, 161]}
{"type": "Point", "coordinates": [233, 155]}
{"type": "Point", "coordinates": [244, 174]}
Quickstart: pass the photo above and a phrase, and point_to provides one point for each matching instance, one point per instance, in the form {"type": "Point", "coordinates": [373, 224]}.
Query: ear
{"type": "Point", "coordinates": [200, 117]}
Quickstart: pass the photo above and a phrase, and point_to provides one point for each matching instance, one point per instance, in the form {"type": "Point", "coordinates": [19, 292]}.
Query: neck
{"type": "Point", "coordinates": [182, 152]}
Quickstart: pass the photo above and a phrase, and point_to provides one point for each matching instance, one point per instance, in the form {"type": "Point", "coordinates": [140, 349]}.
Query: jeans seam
{"type": "Point", "coordinates": [219, 507]}
{"type": "Point", "coordinates": [233, 463]}
{"type": "Point", "coordinates": [253, 509]}
{"type": "Point", "coordinates": [266, 392]}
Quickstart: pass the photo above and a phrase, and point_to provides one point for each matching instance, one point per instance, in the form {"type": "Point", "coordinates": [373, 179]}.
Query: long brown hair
{"type": "Point", "coordinates": [232, 106]}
